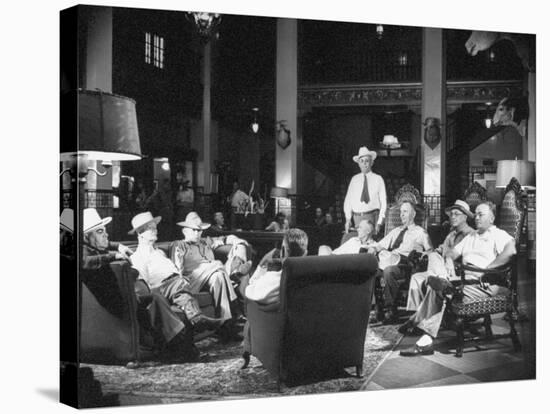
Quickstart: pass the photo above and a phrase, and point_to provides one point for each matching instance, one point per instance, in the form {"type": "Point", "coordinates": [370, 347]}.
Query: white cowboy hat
{"type": "Point", "coordinates": [462, 206]}
{"type": "Point", "coordinates": [387, 258]}
{"type": "Point", "coordinates": [193, 221]}
{"type": "Point", "coordinates": [92, 220]}
{"type": "Point", "coordinates": [142, 219]}
{"type": "Point", "coordinates": [66, 220]}
{"type": "Point", "coordinates": [363, 152]}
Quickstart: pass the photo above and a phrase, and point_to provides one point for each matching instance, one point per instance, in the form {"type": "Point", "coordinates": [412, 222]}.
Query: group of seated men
{"type": "Point", "coordinates": [164, 281]}
{"type": "Point", "coordinates": [192, 268]}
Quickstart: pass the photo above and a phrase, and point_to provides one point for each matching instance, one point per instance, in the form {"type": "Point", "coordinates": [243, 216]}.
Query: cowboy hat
{"type": "Point", "coordinates": [142, 219]}
{"type": "Point", "coordinates": [193, 221]}
{"type": "Point", "coordinates": [363, 152]}
{"type": "Point", "coordinates": [387, 258]}
{"type": "Point", "coordinates": [92, 220]}
{"type": "Point", "coordinates": [66, 220]}
{"type": "Point", "coordinates": [462, 206]}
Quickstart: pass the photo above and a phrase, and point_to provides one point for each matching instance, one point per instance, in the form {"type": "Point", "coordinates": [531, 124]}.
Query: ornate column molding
{"type": "Point", "coordinates": [459, 92]}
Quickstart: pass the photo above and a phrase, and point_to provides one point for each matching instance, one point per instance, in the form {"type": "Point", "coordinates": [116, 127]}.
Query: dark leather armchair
{"type": "Point", "coordinates": [510, 218]}
{"type": "Point", "coordinates": [321, 322]}
{"type": "Point", "coordinates": [111, 332]}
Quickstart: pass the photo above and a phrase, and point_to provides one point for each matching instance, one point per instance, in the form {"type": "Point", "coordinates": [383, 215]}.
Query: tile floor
{"type": "Point", "coordinates": [489, 361]}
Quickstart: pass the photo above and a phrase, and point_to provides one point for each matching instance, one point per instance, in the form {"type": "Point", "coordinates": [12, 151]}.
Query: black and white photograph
{"type": "Point", "coordinates": [260, 203]}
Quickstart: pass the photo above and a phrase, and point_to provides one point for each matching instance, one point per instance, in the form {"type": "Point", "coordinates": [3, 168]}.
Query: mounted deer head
{"type": "Point", "coordinates": [524, 45]}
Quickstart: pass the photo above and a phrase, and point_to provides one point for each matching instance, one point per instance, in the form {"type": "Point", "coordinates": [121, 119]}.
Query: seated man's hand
{"type": "Point", "coordinates": [125, 251]}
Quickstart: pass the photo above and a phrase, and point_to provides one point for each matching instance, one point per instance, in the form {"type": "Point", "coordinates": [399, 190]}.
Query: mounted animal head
{"type": "Point", "coordinates": [524, 45]}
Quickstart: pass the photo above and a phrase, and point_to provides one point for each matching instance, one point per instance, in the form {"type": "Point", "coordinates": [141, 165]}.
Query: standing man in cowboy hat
{"type": "Point", "coordinates": [366, 196]}
{"type": "Point", "coordinates": [395, 248]}
{"type": "Point", "coordinates": [98, 251]}
{"type": "Point", "coordinates": [160, 275]}
{"type": "Point", "coordinates": [194, 258]}
{"type": "Point", "coordinates": [458, 214]}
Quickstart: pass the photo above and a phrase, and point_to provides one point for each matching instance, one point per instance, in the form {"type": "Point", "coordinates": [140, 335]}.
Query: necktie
{"type": "Point", "coordinates": [365, 194]}
{"type": "Point", "coordinates": [397, 242]}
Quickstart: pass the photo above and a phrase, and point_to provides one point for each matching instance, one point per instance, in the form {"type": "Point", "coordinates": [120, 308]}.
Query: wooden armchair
{"type": "Point", "coordinates": [510, 219]}
{"type": "Point", "coordinates": [474, 195]}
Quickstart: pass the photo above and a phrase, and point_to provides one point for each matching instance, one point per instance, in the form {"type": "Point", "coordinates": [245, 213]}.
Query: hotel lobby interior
{"type": "Point", "coordinates": [177, 110]}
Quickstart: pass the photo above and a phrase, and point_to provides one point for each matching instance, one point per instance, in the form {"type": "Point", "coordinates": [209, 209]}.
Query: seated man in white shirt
{"type": "Point", "coordinates": [402, 240]}
{"type": "Point", "coordinates": [353, 245]}
{"type": "Point", "coordinates": [487, 248]}
{"type": "Point", "coordinates": [265, 283]}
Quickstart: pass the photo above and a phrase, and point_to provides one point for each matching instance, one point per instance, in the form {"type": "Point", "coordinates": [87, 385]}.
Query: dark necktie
{"type": "Point", "coordinates": [397, 242]}
{"type": "Point", "coordinates": [365, 194]}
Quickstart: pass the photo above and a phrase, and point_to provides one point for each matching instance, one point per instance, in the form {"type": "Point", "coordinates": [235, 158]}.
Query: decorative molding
{"type": "Point", "coordinates": [482, 91]}
{"type": "Point", "coordinates": [353, 95]}
{"type": "Point", "coordinates": [410, 93]}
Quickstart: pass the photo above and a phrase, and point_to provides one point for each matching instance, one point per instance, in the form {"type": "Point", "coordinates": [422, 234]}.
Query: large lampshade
{"type": "Point", "coordinates": [523, 171]}
{"type": "Point", "coordinates": [279, 192]}
{"type": "Point", "coordinates": [101, 125]}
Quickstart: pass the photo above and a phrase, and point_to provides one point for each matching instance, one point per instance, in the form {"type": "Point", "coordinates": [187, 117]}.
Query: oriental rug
{"type": "Point", "coordinates": [221, 377]}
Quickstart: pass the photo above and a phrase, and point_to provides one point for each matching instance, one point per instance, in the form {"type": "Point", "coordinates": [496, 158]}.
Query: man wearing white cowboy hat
{"type": "Point", "coordinates": [395, 247]}
{"type": "Point", "coordinates": [194, 258]}
{"type": "Point", "coordinates": [98, 251]}
{"type": "Point", "coordinates": [366, 196]}
{"type": "Point", "coordinates": [422, 297]}
{"type": "Point", "coordinates": [161, 276]}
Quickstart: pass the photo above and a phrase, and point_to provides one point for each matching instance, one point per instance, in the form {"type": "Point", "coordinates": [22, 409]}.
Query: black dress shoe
{"type": "Point", "coordinates": [418, 350]}
{"type": "Point", "coordinates": [404, 329]}
{"type": "Point", "coordinates": [205, 323]}
{"type": "Point", "coordinates": [246, 359]}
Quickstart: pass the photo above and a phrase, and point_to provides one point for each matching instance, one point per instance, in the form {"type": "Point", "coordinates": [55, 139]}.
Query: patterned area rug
{"type": "Point", "coordinates": [221, 377]}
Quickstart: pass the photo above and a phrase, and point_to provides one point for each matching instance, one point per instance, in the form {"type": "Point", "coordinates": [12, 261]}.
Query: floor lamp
{"type": "Point", "coordinates": [95, 126]}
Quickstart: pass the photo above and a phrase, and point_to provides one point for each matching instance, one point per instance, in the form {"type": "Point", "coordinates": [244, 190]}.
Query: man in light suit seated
{"type": "Point", "coordinates": [395, 248]}
{"type": "Point", "coordinates": [354, 244]}
{"type": "Point", "coordinates": [458, 214]}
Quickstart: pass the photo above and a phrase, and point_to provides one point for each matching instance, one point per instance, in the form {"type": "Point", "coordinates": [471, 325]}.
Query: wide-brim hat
{"type": "Point", "coordinates": [142, 219]}
{"type": "Point", "coordinates": [462, 206]}
{"type": "Point", "coordinates": [193, 221]}
{"type": "Point", "coordinates": [363, 152]}
{"type": "Point", "coordinates": [66, 220]}
{"type": "Point", "coordinates": [92, 220]}
{"type": "Point", "coordinates": [387, 258]}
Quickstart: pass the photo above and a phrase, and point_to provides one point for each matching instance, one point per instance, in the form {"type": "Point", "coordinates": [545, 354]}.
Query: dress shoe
{"type": "Point", "coordinates": [202, 323]}
{"type": "Point", "coordinates": [229, 332]}
{"type": "Point", "coordinates": [246, 359]}
{"type": "Point", "coordinates": [418, 350]}
{"type": "Point", "coordinates": [390, 317]}
{"type": "Point", "coordinates": [408, 329]}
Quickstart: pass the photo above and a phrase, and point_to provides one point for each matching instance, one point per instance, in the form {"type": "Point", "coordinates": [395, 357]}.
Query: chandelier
{"type": "Point", "coordinates": [206, 23]}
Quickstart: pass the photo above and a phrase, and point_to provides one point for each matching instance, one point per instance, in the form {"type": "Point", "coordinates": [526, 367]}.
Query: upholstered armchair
{"type": "Point", "coordinates": [474, 195]}
{"type": "Point", "coordinates": [510, 218]}
{"type": "Point", "coordinates": [321, 322]}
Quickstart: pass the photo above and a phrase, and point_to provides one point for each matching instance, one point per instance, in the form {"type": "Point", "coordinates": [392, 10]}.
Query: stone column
{"type": "Point", "coordinates": [207, 117]}
{"type": "Point", "coordinates": [433, 105]}
{"type": "Point", "coordinates": [287, 161]}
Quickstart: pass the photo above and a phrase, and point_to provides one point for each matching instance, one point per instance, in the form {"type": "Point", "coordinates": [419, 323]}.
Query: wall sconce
{"type": "Point", "coordinates": [379, 31]}
{"type": "Point", "coordinates": [255, 126]}
{"type": "Point", "coordinates": [283, 134]}
{"type": "Point", "coordinates": [403, 59]}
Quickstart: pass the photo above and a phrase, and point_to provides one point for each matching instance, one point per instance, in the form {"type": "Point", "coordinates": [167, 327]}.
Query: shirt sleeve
{"type": "Point", "coordinates": [426, 242]}
{"type": "Point", "coordinates": [383, 201]}
{"type": "Point", "coordinates": [502, 238]}
{"type": "Point", "coordinates": [97, 261]}
{"type": "Point", "coordinates": [264, 286]}
{"type": "Point", "coordinates": [459, 248]}
{"type": "Point", "coordinates": [385, 242]}
{"type": "Point", "coordinates": [347, 200]}
{"type": "Point", "coordinates": [177, 255]}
